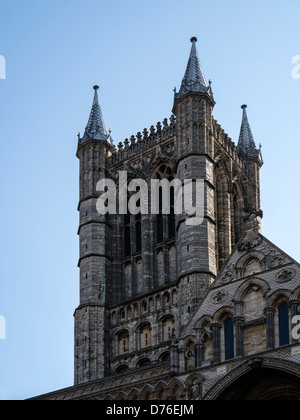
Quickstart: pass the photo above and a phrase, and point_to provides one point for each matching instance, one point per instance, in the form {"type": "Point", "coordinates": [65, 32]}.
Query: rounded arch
{"type": "Point", "coordinates": [143, 362]}
{"type": "Point", "coordinates": [122, 369]}
{"type": "Point", "coordinates": [164, 357]}
{"type": "Point", "coordinates": [247, 380]}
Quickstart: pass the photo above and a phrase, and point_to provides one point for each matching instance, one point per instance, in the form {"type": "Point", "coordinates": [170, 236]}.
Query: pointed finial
{"type": "Point", "coordinates": [194, 39]}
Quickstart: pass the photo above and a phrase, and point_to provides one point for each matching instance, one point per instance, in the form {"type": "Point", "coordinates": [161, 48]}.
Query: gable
{"type": "Point", "coordinates": [257, 272]}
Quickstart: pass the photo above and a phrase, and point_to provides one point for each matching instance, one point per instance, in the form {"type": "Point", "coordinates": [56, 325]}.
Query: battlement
{"type": "Point", "coordinates": [142, 142]}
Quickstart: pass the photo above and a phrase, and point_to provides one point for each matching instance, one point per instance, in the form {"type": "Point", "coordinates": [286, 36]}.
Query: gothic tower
{"type": "Point", "coordinates": [92, 316]}
{"type": "Point", "coordinates": [143, 276]}
{"type": "Point", "coordinates": [196, 256]}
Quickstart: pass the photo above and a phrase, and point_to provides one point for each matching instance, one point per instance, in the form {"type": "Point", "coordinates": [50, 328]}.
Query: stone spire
{"type": "Point", "coordinates": [246, 140]}
{"type": "Point", "coordinates": [194, 79]}
{"type": "Point", "coordinates": [95, 129]}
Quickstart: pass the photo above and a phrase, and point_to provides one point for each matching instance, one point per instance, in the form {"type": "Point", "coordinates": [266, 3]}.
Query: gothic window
{"type": "Point", "coordinates": [229, 339]}
{"type": "Point", "coordinates": [165, 230]}
{"type": "Point", "coordinates": [132, 233]}
{"type": "Point", "coordinates": [284, 334]}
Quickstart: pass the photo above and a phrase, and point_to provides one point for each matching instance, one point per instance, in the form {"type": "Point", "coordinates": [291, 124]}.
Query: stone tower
{"type": "Point", "coordinates": [92, 315]}
{"type": "Point", "coordinates": [196, 250]}
{"type": "Point", "coordinates": [143, 276]}
{"type": "Point", "coordinates": [177, 306]}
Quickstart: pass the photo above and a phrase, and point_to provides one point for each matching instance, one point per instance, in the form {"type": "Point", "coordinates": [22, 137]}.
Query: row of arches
{"type": "Point", "coordinates": [162, 391]}
{"type": "Point", "coordinates": [127, 341]}
{"type": "Point", "coordinates": [260, 378]}
{"type": "Point", "coordinates": [256, 323]}
{"type": "Point", "coordinates": [162, 301]}
{"type": "Point", "coordinates": [143, 362]}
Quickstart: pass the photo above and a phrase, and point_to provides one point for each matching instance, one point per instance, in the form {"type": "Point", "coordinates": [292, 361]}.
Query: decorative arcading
{"type": "Point", "coordinates": [142, 142]}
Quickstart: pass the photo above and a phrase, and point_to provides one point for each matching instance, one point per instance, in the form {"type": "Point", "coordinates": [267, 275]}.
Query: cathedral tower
{"type": "Point", "coordinates": [196, 256]}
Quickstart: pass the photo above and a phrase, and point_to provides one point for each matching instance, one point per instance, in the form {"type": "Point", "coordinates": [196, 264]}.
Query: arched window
{"type": "Point", "coordinates": [163, 231]}
{"type": "Point", "coordinates": [167, 327]}
{"type": "Point", "coordinates": [132, 232]}
{"type": "Point", "coordinates": [229, 339]}
{"type": "Point", "coordinates": [123, 343]}
{"type": "Point", "coordinates": [284, 333]}
{"type": "Point", "coordinates": [145, 335]}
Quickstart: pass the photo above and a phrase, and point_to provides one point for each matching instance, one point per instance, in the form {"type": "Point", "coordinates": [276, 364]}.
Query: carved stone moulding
{"type": "Point", "coordinates": [275, 261]}
{"type": "Point", "coordinates": [219, 297]}
{"type": "Point", "coordinates": [286, 275]}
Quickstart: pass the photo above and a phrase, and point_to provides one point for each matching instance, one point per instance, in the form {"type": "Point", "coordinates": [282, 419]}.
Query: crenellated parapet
{"type": "Point", "coordinates": [141, 142]}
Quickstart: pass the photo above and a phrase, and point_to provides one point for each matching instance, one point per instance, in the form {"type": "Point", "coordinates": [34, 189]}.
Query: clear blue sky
{"type": "Point", "coordinates": [137, 52]}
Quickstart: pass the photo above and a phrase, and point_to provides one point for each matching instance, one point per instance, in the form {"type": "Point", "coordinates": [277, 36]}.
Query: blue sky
{"type": "Point", "coordinates": [137, 52]}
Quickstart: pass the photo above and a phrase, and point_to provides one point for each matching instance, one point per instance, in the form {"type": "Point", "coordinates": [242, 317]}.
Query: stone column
{"type": "Point", "coordinates": [174, 357]}
{"type": "Point", "coordinates": [270, 327]}
{"type": "Point", "coordinates": [200, 347]}
{"type": "Point", "coordinates": [294, 305]}
{"type": "Point", "coordinates": [239, 336]}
